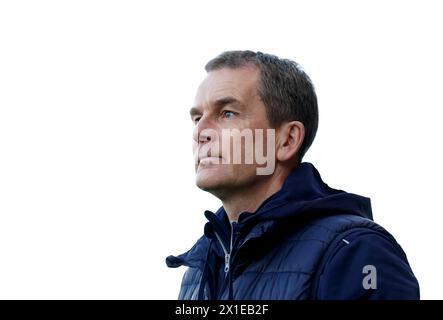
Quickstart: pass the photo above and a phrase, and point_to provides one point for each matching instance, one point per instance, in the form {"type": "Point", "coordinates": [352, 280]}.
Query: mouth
{"type": "Point", "coordinates": [209, 160]}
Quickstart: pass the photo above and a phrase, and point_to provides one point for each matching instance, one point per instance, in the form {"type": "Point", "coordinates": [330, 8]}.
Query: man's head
{"type": "Point", "coordinates": [247, 91]}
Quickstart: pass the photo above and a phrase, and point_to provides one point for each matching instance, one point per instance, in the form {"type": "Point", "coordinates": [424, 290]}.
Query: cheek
{"type": "Point", "coordinates": [195, 151]}
{"type": "Point", "coordinates": [195, 134]}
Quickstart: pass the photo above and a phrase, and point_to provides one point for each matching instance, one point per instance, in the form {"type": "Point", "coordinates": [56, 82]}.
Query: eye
{"type": "Point", "coordinates": [196, 119]}
{"type": "Point", "coordinates": [228, 114]}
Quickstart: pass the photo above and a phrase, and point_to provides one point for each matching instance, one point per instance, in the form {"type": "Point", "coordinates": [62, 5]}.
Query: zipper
{"type": "Point", "coordinates": [225, 250]}
{"type": "Point", "coordinates": [228, 281]}
{"type": "Point", "coordinates": [227, 254]}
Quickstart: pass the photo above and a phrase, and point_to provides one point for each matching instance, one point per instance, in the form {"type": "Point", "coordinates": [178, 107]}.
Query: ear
{"type": "Point", "coordinates": [290, 137]}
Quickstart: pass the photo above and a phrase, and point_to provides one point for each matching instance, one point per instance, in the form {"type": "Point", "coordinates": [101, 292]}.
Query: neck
{"type": "Point", "coordinates": [253, 196]}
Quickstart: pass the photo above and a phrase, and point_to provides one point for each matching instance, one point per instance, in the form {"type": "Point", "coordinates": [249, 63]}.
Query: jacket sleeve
{"type": "Point", "coordinates": [366, 265]}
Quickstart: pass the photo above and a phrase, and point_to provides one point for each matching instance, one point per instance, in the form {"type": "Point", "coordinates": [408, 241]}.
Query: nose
{"type": "Point", "coordinates": [204, 131]}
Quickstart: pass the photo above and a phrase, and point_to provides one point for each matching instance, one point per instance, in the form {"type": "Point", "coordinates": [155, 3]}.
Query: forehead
{"type": "Point", "coordinates": [240, 83]}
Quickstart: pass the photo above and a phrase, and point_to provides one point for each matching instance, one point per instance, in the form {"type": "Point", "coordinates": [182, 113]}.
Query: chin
{"type": "Point", "coordinates": [208, 183]}
{"type": "Point", "coordinates": [211, 179]}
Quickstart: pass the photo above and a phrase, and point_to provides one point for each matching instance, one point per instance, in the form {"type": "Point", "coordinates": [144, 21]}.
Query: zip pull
{"type": "Point", "coordinates": [227, 253]}
{"type": "Point", "coordinates": [227, 262]}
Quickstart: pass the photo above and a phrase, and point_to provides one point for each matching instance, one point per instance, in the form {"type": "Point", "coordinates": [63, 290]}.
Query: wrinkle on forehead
{"type": "Point", "coordinates": [240, 83]}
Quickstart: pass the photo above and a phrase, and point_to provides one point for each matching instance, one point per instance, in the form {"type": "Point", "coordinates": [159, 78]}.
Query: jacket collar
{"type": "Point", "coordinates": [303, 196]}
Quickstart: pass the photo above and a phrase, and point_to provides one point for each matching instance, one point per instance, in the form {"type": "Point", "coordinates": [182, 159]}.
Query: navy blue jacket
{"type": "Point", "coordinates": [307, 241]}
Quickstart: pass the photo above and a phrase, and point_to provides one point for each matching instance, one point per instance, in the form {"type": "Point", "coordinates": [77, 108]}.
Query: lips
{"type": "Point", "coordinates": [209, 159]}
{"type": "Point", "coordinates": [207, 155]}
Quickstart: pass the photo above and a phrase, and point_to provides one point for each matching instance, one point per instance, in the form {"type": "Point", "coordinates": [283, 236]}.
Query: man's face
{"type": "Point", "coordinates": [226, 99]}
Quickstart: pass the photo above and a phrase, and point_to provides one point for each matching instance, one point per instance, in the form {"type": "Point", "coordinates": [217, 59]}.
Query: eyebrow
{"type": "Point", "coordinates": [219, 103]}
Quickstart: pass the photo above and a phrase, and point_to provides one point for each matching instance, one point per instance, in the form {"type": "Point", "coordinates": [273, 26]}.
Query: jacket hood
{"type": "Point", "coordinates": [303, 196]}
{"type": "Point", "coordinates": [304, 191]}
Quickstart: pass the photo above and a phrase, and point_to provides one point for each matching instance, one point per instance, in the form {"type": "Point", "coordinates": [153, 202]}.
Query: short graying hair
{"type": "Point", "coordinates": [285, 89]}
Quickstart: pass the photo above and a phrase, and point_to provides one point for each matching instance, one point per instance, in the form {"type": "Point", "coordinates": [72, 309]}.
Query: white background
{"type": "Point", "coordinates": [96, 170]}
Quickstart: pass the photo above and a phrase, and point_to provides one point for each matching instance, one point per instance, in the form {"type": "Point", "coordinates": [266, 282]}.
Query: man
{"type": "Point", "coordinates": [282, 233]}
